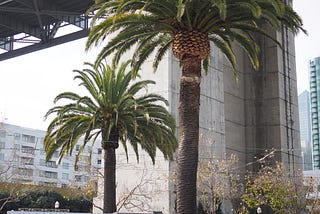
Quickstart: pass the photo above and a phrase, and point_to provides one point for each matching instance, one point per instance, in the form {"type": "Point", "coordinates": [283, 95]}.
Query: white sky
{"type": "Point", "coordinates": [307, 46]}
{"type": "Point", "coordinates": [29, 83]}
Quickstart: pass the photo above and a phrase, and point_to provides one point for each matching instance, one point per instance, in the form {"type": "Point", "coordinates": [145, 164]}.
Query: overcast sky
{"type": "Point", "coordinates": [29, 83]}
{"type": "Point", "coordinates": [307, 46]}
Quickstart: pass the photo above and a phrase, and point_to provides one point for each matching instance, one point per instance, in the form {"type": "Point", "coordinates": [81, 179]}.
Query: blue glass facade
{"type": "Point", "coordinates": [314, 67]}
{"type": "Point", "coordinates": [305, 130]}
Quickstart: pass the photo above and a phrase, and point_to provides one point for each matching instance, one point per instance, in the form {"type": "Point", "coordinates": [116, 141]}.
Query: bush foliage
{"type": "Point", "coordinates": [15, 196]}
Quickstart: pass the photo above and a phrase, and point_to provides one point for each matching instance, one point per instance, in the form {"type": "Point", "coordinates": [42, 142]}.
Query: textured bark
{"type": "Point", "coordinates": [188, 136]}
{"type": "Point", "coordinates": [195, 43]}
{"type": "Point", "coordinates": [109, 192]}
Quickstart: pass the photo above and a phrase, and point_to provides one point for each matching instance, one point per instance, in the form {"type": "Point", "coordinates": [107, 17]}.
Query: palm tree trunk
{"type": "Point", "coordinates": [188, 135]}
{"type": "Point", "coordinates": [109, 193]}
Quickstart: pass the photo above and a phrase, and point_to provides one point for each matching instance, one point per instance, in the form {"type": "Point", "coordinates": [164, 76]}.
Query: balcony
{"type": "Point", "coordinates": [24, 172]}
{"type": "Point", "coordinates": [49, 164]}
{"type": "Point", "coordinates": [48, 174]}
{"type": "Point", "coordinates": [28, 150]}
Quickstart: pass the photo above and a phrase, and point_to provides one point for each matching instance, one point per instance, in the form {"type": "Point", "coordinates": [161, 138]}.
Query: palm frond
{"type": "Point", "coordinates": [135, 23]}
{"type": "Point", "coordinates": [114, 104]}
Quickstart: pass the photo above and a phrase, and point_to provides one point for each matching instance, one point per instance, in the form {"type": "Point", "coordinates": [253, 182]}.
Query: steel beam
{"type": "Point", "coordinates": [26, 3]}
{"type": "Point", "coordinates": [17, 25]}
{"type": "Point", "coordinates": [41, 46]}
{"type": "Point", "coordinates": [41, 12]}
{"type": "Point", "coordinates": [48, 18]}
{"type": "Point", "coordinates": [6, 44]}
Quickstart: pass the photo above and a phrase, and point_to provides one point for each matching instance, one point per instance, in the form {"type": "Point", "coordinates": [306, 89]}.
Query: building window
{"type": "Point", "coordinates": [25, 172]}
{"type": "Point", "coordinates": [2, 145]}
{"type": "Point", "coordinates": [65, 165]}
{"type": "Point", "coordinates": [3, 133]}
{"type": "Point", "coordinates": [27, 149]}
{"type": "Point", "coordinates": [65, 176]}
{"type": "Point", "coordinates": [99, 161]}
{"type": "Point", "coordinates": [16, 147]}
{"type": "Point", "coordinates": [99, 151]}
{"type": "Point", "coordinates": [26, 161]}
{"type": "Point", "coordinates": [48, 174]}
{"type": "Point", "coordinates": [51, 164]}
{"type": "Point", "coordinates": [17, 136]}
{"type": "Point", "coordinates": [28, 138]}
{"type": "Point", "coordinates": [55, 154]}
{"type": "Point", "coordinates": [77, 147]}
{"type": "Point", "coordinates": [42, 162]}
{"type": "Point", "coordinates": [1, 156]}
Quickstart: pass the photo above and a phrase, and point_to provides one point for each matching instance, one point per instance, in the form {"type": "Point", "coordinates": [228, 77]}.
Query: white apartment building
{"type": "Point", "coordinates": [22, 159]}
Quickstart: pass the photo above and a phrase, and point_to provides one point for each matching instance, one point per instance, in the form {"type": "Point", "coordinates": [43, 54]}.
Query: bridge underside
{"type": "Point", "coordinates": [31, 25]}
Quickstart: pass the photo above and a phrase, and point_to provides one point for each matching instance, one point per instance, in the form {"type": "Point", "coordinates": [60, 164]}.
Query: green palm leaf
{"type": "Point", "coordinates": [113, 111]}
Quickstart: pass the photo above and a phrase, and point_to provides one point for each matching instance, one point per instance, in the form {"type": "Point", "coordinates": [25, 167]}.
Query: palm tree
{"type": "Point", "coordinates": [115, 112]}
{"type": "Point", "coordinates": [187, 27]}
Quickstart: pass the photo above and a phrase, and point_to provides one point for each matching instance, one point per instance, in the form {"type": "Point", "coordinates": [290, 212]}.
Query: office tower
{"type": "Point", "coordinates": [314, 68]}
{"type": "Point", "coordinates": [305, 130]}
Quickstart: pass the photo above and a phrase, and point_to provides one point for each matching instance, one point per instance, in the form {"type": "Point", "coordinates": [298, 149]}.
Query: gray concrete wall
{"type": "Point", "coordinates": [262, 108]}
{"type": "Point", "coordinates": [252, 116]}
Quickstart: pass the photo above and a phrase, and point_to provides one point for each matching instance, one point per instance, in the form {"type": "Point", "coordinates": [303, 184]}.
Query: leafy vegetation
{"type": "Point", "coordinates": [218, 180]}
{"type": "Point", "coordinates": [276, 188]}
{"type": "Point", "coordinates": [14, 196]}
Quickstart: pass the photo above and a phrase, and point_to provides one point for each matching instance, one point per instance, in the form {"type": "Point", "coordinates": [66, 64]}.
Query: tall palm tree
{"type": "Point", "coordinates": [114, 111]}
{"type": "Point", "coordinates": [187, 27]}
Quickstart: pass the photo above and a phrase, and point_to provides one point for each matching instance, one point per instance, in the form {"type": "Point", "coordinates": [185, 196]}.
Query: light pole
{"type": "Point", "coordinates": [56, 205]}
{"type": "Point", "coordinates": [259, 211]}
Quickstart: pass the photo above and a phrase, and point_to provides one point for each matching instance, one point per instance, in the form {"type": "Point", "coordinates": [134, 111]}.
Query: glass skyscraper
{"type": "Point", "coordinates": [305, 130]}
{"type": "Point", "coordinates": [314, 67]}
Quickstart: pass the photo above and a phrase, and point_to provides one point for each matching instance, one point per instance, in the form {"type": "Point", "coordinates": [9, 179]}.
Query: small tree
{"type": "Point", "coordinates": [12, 193]}
{"type": "Point", "coordinates": [138, 197]}
{"type": "Point", "coordinates": [218, 180]}
{"type": "Point", "coordinates": [312, 185]}
{"type": "Point", "coordinates": [275, 188]}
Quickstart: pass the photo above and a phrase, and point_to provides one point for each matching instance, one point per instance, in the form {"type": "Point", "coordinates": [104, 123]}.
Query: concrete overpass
{"type": "Point", "coordinates": [30, 25]}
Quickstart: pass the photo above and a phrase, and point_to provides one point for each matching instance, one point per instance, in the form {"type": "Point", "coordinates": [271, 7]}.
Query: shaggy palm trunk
{"type": "Point", "coordinates": [188, 135]}
{"type": "Point", "coordinates": [109, 192]}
